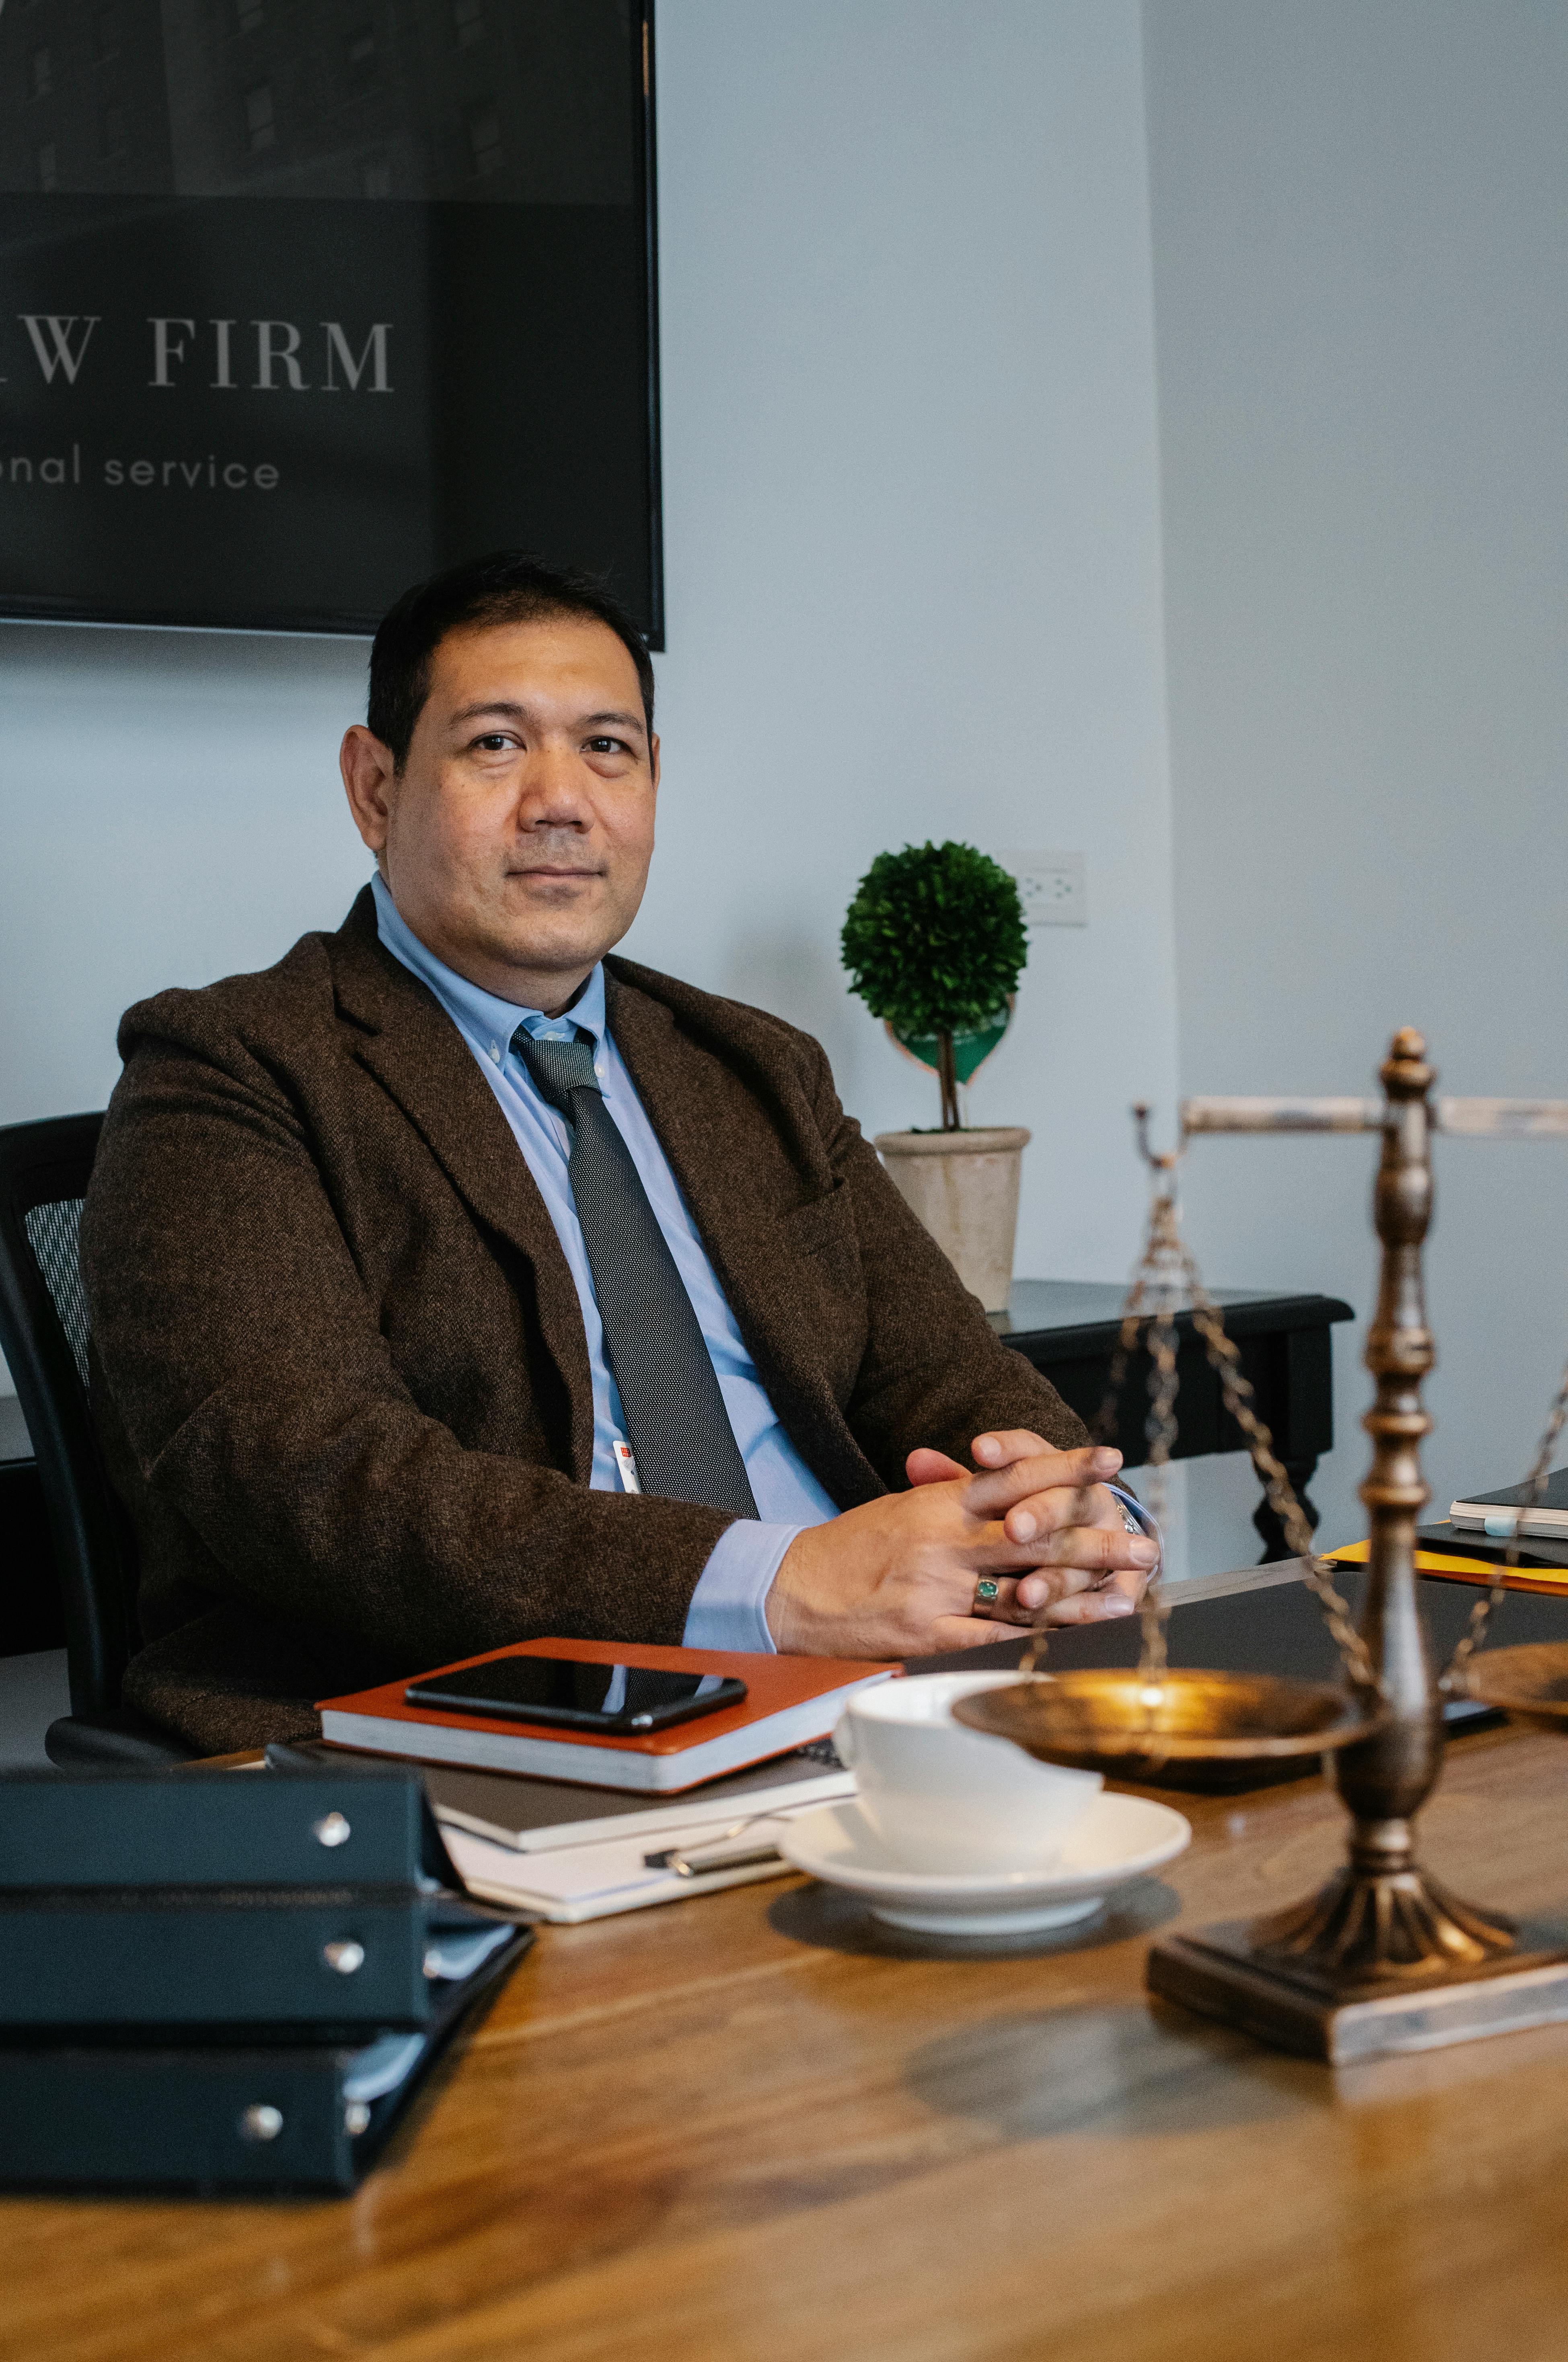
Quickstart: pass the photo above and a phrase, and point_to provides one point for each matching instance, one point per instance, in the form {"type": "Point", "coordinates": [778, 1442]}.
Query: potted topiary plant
{"type": "Point", "coordinates": [935, 942]}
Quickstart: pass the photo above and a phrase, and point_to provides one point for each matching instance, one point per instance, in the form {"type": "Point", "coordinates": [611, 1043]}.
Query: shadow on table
{"type": "Point", "coordinates": [1115, 2068]}
{"type": "Point", "coordinates": [834, 1920]}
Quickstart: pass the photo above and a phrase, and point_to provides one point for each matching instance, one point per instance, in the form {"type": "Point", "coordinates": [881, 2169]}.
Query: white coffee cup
{"type": "Point", "coordinates": [946, 1799]}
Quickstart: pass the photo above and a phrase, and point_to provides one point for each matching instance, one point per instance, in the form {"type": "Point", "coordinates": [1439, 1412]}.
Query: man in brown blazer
{"type": "Point", "coordinates": [410, 1259]}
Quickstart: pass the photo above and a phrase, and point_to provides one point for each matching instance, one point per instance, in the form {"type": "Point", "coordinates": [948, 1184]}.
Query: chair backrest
{"type": "Point", "coordinates": [44, 1170]}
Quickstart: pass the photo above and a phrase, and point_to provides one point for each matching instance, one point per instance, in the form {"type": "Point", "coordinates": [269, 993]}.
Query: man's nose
{"type": "Point", "coordinates": [552, 791]}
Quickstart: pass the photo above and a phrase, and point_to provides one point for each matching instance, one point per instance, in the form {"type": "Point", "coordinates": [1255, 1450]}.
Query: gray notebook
{"type": "Point", "coordinates": [534, 1815]}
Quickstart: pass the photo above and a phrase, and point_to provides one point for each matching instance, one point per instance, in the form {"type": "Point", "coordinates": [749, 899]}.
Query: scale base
{"type": "Point", "coordinates": [1220, 1973]}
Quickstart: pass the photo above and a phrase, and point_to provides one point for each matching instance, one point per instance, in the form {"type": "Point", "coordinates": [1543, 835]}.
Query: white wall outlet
{"type": "Point", "coordinates": [1051, 886]}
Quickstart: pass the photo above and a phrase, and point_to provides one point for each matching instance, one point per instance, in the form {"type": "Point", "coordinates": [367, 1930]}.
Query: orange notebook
{"type": "Point", "coordinates": [789, 1701]}
{"type": "Point", "coordinates": [1454, 1569]}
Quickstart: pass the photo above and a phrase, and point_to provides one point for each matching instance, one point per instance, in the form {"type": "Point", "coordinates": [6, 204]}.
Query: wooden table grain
{"type": "Point", "coordinates": [757, 2127]}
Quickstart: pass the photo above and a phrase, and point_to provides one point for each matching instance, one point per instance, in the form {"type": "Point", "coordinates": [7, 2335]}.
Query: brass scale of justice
{"type": "Point", "coordinates": [1382, 1959]}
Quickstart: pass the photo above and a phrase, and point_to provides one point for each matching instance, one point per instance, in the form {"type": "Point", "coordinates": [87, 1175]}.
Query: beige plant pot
{"type": "Point", "coordinates": [963, 1186]}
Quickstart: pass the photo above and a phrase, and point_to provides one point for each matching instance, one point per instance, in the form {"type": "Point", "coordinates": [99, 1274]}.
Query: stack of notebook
{"type": "Point", "coordinates": [1485, 1526]}
{"type": "Point", "coordinates": [1475, 1542]}
{"type": "Point", "coordinates": [592, 1815]}
{"type": "Point", "coordinates": [784, 1702]}
{"type": "Point", "coordinates": [216, 1981]}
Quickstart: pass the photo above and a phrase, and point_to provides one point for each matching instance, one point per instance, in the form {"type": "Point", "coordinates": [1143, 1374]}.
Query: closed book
{"type": "Point", "coordinates": [263, 2117]}
{"type": "Point", "coordinates": [232, 1957]}
{"type": "Point", "coordinates": [534, 1815]}
{"type": "Point", "coordinates": [1503, 1512]}
{"type": "Point", "coordinates": [789, 1702]}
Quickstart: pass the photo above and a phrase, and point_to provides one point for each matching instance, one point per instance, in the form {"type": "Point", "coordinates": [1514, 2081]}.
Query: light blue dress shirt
{"type": "Point", "coordinates": [727, 1608]}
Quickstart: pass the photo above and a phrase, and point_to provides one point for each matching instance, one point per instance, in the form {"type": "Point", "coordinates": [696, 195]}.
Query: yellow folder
{"type": "Point", "coordinates": [1461, 1570]}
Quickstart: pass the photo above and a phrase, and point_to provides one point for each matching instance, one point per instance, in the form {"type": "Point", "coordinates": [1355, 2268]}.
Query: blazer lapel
{"type": "Point", "coordinates": [752, 1240]}
{"type": "Point", "coordinates": [403, 1035]}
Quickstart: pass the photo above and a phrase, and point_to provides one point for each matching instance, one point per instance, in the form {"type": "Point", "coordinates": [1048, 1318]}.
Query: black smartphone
{"type": "Point", "coordinates": [608, 1698]}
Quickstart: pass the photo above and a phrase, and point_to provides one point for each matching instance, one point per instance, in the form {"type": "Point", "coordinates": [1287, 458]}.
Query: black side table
{"type": "Point", "coordinates": [1068, 1330]}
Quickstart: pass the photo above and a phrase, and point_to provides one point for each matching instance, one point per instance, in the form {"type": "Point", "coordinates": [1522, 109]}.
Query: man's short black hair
{"type": "Point", "coordinates": [507, 586]}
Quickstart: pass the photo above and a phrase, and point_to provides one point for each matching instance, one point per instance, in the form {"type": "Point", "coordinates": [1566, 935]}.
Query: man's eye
{"type": "Point", "coordinates": [494, 742]}
{"type": "Point", "coordinates": [608, 746]}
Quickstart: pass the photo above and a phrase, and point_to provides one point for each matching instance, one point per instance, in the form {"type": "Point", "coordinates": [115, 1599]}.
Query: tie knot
{"type": "Point", "coordinates": [559, 1068]}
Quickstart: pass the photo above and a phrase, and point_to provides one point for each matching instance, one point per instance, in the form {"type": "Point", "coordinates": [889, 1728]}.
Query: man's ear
{"type": "Point", "coordinates": [370, 781]}
{"type": "Point", "coordinates": [653, 762]}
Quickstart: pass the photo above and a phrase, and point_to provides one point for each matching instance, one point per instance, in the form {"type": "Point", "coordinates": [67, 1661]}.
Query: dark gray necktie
{"type": "Point", "coordinates": [675, 1421]}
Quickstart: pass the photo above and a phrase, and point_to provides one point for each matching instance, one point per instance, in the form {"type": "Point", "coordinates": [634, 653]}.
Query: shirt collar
{"type": "Point", "coordinates": [486, 1019]}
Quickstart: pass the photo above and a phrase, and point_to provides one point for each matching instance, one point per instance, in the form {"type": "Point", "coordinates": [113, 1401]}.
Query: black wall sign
{"type": "Point", "coordinates": [301, 299]}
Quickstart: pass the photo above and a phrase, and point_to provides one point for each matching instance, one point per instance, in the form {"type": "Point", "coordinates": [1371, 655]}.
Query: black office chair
{"type": "Point", "coordinates": [43, 1334]}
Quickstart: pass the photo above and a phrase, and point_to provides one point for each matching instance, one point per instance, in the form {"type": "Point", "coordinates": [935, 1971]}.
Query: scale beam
{"type": "Point", "coordinates": [1282, 1115]}
{"type": "Point", "coordinates": [1465, 1119]}
{"type": "Point", "coordinates": [1503, 1119]}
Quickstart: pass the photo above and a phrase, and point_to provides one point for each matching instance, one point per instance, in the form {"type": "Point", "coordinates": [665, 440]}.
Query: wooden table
{"type": "Point", "coordinates": [1068, 1328]}
{"type": "Point", "coordinates": [757, 2129]}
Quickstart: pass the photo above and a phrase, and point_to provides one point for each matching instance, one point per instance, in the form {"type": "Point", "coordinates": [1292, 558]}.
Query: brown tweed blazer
{"type": "Point", "coordinates": [343, 1384]}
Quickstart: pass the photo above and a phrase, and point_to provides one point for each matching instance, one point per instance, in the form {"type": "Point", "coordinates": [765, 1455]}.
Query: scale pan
{"type": "Point", "coordinates": [1529, 1684]}
{"type": "Point", "coordinates": [1203, 1729]}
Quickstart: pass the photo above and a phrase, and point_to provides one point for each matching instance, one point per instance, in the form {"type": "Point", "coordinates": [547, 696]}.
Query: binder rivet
{"type": "Point", "coordinates": [345, 1957]}
{"type": "Point", "coordinates": [262, 2124]}
{"type": "Point", "coordinates": [332, 1829]}
{"type": "Point", "coordinates": [356, 2117]}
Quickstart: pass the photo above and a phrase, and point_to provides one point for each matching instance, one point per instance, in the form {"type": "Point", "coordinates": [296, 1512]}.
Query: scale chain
{"type": "Point", "coordinates": [1237, 1392]}
{"type": "Point", "coordinates": [1475, 1118]}
{"type": "Point", "coordinates": [1160, 1247]}
{"type": "Point", "coordinates": [1167, 1264]}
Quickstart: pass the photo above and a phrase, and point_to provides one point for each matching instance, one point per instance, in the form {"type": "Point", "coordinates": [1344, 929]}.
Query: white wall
{"type": "Point", "coordinates": [169, 812]}
{"type": "Point", "coordinates": [913, 564]}
{"type": "Point", "coordinates": [1363, 338]}
{"type": "Point", "coordinates": [914, 586]}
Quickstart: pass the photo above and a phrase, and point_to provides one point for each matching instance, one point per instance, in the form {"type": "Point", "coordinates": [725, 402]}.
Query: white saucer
{"type": "Point", "coordinates": [1119, 1837]}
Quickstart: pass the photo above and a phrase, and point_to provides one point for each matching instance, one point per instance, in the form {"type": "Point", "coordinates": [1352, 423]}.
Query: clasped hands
{"type": "Point", "coordinates": [896, 1577]}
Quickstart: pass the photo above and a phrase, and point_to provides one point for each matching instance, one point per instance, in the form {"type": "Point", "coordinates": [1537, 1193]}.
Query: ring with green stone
{"type": "Point", "coordinates": [985, 1590]}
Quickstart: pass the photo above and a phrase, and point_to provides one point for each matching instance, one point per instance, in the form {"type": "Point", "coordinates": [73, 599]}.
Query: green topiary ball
{"type": "Point", "coordinates": [934, 940]}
